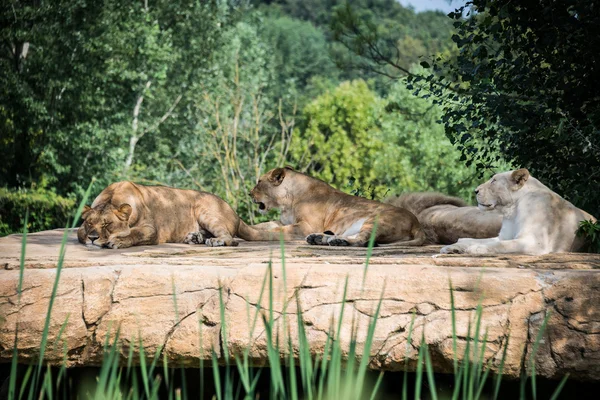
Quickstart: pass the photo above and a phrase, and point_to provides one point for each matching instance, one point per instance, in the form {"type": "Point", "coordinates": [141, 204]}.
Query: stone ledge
{"type": "Point", "coordinates": [133, 289]}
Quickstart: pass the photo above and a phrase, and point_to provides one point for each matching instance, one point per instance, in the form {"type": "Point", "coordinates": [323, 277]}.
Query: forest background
{"type": "Point", "coordinates": [370, 96]}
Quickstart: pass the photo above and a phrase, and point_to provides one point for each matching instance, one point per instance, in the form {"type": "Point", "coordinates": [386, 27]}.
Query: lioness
{"type": "Point", "coordinates": [326, 216]}
{"type": "Point", "coordinates": [126, 214]}
{"type": "Point", "coordinates": [445, 219]}
{"type": "Point", "coordinates": [535, 219]}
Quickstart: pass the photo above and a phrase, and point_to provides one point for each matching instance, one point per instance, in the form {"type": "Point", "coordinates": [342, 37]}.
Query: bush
{"type": "Point", "coordinates": [590, 232]}
{"type": "Point", "coordinates": [47, 210]}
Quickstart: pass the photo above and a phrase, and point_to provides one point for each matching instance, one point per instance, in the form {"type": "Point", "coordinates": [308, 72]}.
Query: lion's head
{"type": "Point", "coordinates": [269, 192]}
{"type": "Point", "coordinates": [500, 190]}
{"type": "Point", "coordinates": [103, 222]}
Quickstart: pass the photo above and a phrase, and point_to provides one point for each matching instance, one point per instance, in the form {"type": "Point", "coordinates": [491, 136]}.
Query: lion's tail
{"type": "Point", "coordinates": [251, 234]}
{"type": "Point", "coordinates": [419, 237]}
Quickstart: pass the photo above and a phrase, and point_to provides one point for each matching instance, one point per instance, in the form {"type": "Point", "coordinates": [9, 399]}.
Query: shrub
{"type": "Point", "coordinates": [47, 210]}
{"type": "Point", "coordinates": [590, 232]}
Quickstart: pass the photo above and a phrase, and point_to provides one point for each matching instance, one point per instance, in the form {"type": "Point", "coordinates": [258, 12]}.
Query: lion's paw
{"type": "Point", "coordinates": [219, 242]}
{"type": "Point", "coordinates": [194, 238]}
{"type": "Point", "coordinates": [336, 241]}
{"type": "Point", "coordinates": [214, 242]}
{"type": "Point", "coordinates": [319, 239]}
{"type": "Point", "coordinates": [117, 243]}
{"type": "Point", "coordinates": [452, 249]}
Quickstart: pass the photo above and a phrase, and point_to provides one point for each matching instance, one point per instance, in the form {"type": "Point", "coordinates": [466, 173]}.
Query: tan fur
{"type": "Point", "coordinates": [445, 219]}
{"type": "Point", "coordinates": [326, 216]}
{"type": "Point", "coordinates": [536, 220]}
{"type": "Point", "coordinates": [126, 214]}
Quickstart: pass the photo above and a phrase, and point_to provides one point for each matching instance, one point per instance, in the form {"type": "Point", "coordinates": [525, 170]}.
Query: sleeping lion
{"type": "Point", "coordinates": [445, 219]}
{"type": "Point", "coordinates": [126, 214]}
{"type": "Point", "coordinates": [535, 219]}
{"type": "Point", "coordinates": [312, 209]}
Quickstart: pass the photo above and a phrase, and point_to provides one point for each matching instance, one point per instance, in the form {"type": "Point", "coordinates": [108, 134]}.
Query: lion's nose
{"type": "Point", "coordinates": [93, 237]}
{"type": "Point", "coordinates": [477, 191]}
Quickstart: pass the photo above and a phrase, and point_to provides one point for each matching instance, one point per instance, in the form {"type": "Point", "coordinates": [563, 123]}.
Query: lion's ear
{"type": "Point", "coordinates": [124, 212]}
{"type": "Point", "coordinates": [276, 176]}
{"type": "Point", "coordinates": [87, 210]}
{"type": "Point", "coordinates": [520, 176]}
{"type": "Point", "coordinates": [290, 168]}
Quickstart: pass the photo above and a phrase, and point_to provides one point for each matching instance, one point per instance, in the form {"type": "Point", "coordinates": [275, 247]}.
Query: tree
{"type": "Point", "coordinates": [386, 43]}
{"type": "Point", "coordinates": [238, 131]}
{"type": "Point", "coordinates": [418, 156]}
{"type": "Point", "coordinates": [100, 88]}
{"type": "Point", "coordinates": [526, 83]}
{"type": "Point", "coordinates": [340, 138]}
{"type": "Point", "coordinates": [370, 146]}
{"type": "Point", "coordinates": [300, 60]}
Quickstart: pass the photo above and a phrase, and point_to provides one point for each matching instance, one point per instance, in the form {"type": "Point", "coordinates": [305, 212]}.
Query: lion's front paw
{"type": "Point", "coordinates": [194, 238]}
{"type": "Point", "coordinates": [320, 239]}
{"type": "Point", "coordinates": [220, 241]}
{"type": "Point", "coordinates": [453, 249]}
{"type": "Point", "coordinates": [118, 243]}
{"type": "Point", "coordinates": [338, 242]}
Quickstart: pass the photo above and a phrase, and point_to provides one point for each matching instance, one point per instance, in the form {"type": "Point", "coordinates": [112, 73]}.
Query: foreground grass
{"type": "Point", "coordinates": [297, 374]}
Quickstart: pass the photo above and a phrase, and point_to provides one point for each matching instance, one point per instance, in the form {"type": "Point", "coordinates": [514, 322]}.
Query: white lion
{"type": "Point", "coordinates": [535, 219]}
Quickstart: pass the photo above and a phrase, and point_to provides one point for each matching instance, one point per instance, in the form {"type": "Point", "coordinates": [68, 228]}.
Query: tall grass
{"type": "Point", "coordinates": [293, 373]}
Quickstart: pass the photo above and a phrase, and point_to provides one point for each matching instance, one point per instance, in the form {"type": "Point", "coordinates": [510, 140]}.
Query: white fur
{"type": "Point", "coordinates": [535, 219]}
{"type": "Point", "coordinates": [354, 229]}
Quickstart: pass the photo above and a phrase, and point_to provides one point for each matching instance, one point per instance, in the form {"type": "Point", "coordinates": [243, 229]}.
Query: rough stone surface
{"type": "Point", "coordinates": [135, 291]}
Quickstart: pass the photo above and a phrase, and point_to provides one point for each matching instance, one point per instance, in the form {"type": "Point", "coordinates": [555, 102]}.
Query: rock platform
{"type": "Point", "coordinates": [169, 297]}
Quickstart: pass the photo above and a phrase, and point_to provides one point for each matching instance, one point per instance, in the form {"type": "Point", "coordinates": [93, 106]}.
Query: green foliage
{"type": "Point", "coordinates": [46, 209]}
{"type": "Point", "coordinates": [300, 59]}
{"type": "Point", "coordinates": [383, 38]}
{"type": "Point", "coordinates": [93, 89]}
{"type": "Point", "coordinates": [417, 155]}
{"type": "Point", "coordinates": [341, 138]}
{"type": "Point", "coordinates": [528, 88]}
{"type": "Point", "coordinates": [589, 231]}
{"type": "Point", "coordinates": [370, 146]}
{"type": "Point", "coordinates": [209, 95]}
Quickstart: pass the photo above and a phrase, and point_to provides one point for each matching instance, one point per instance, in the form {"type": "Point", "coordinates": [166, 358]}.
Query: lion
{"type": "Point", "coordinates": [445, 219]}
{"type": "Point", "coordinates": [126, 214]}
{"type": "Point", "coordinates": [536, 220]}
{"type": "Point", "coordinates": [312, 209]}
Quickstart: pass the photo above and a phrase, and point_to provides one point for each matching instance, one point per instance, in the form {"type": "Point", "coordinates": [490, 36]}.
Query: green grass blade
{"type": "Point", "coordinates": [430, 377]}
{"type": "Point", "coordinates": [26, 377]}
{"type": "Point", "coordinates": [473, 376]}
{"type": "Point", "coordinates": [454, 337]}
{"type": "Point", "coordinates": [419, 375]}
{"type": "Point", "coordinates": [559, 388]}
{"type": "Point", "coordinates": [366, 356]}
{"type": "Point", "coordinates": [292, 370]}
{"type": "Point", "coordinates": [498, 378]}
{"type": "Point", "coordinates": [306, 366]}
{"type": "Point", "coordinates": [143, 368]}
{"type": "Point", "coordinates": [59, 266]}
{"type": "Point", "coordinates": [480, 381]}
{"type": "Point", "coordinates": [47, 384]}
{"type": "Point", "coordinates": [536, 344]}
{"type": "Point", "coordinates": [60, 332]}
{"type": "Point", "coordinates": [466, 367]}
{"type": "Point", "coordinates": [12, 383]}
{"type": "Point", "coordinates": [324, 363]}
{"type": "Point", "coordinates": [376, 387]}
{"type": "Point", "coordinates": [408, 345]}
{"type": "Point", "coordinates": [45, 332]}
{"type": "Point", "coordinates": [216, 375]}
